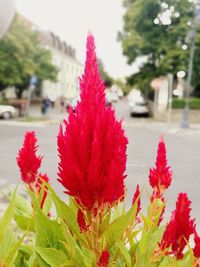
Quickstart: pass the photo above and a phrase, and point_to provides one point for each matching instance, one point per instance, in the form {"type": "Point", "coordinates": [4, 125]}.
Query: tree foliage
{"type": "Point", "coordinates": [104, 75]}
{"type": "Point", "coordinates": [158, 30]}
{"type": "Point", "coordinates": [22, 55]}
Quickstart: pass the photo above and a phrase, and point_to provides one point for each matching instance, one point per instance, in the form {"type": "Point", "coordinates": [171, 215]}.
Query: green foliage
{"type": "Point", "coordinates": [57, 240]}
{"type": "Point", "coordinates": [178, 103]}
{"type": "Point", "coordinates": [104, 75]}
{"type": "Point", "coordinates": [5, 221]}
{"type": "Point", "coordinates": [22, 55]}
{"type": "Point", "coordinates": [147, 33]}
{"type": "Point", "coordinates": [194, 103]}
{"type": "Point", "coordinates": [125, 87]}
{"type": "Point", "coordinates": [52, 256]}
{"type": "Point", "coordinates": [114, 231]}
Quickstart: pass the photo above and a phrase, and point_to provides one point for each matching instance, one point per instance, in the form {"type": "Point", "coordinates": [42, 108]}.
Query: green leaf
{"type": "Point", "coordinates": [32, 260]}
{"type": "Point", "coordinates": [115, 230]}
{"type": "Point", "coordinates": [105, 222]}
{"type": "Point", "coordinates": [13, 253]}
{"type": "Point", "coordinates": [53, 257]}
{"type": "Point", "coordinates": [25, 223]}
{"type": "Point", "coordinates": [78, 254]}
{"type": "Point", "coordinates": [7, 216]}
{"type": "Point", "coordinates": [47, 205]}
{"type": "Point", "coordinates": [7, 243]}
{"type": "Point", "coordinates": [23, 206]}
{"type": "Point", "coordinates": [40, 262]}
{"type": "Point", "coordinates": [48, 233]}
{"type": "Point", "coordinates": [70, 242]}
{"type": "Point", "coordinates": [21, 260]}
{"type": "Point", "coordinates": [125, 253]}
{"type": "Point", "coordinates": [72, 204]}
{"type": "Point", "coordinates": [118, 211]}
{"type": "Point", "coordinates": [65, 213]}
{"type": "Point", "coordinates": [188, 259]}
{"type": "Point", "coordinates": [147, 222]}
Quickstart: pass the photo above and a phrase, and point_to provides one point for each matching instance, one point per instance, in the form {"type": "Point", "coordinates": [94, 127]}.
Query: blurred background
{"type": "Point", "coordinates": [149, 56]}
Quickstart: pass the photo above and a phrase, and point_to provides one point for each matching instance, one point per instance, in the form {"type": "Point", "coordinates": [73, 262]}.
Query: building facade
{"type": "Point", "coordinates": [63, 56]}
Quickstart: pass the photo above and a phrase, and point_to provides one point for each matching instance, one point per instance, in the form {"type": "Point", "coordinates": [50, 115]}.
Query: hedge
{"type": "Point", "coordinates": [194, 103]}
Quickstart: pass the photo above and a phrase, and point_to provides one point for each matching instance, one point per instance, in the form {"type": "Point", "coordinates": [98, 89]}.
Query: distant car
{"type": "Point", "coordinates": [120, 93]}
{"type": "Point", "coordinates": [114, 97]}
{"type": "Point", "coordinates": [7, 111]}
{"type": "Point", "coordinates": [139, 108]}
{"type": "Point", "coordinates": [111, 97]}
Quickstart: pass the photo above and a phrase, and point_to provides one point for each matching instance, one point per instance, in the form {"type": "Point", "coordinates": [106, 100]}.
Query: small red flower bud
{"type": "Point", "coordinates": [104, 259]}
{"type": "Point", "coordinates": [135, 197]}
{"type": "Point", "coordinates": [39, 183]}
{"type": "Point", "coordinates": [27, 160]}
{"type": "Point", "coordinates": [160, 177]}
{"type": "Point", "coordinates": [81, 221]}
{"type": "Point", "coordinates": [180, 227]}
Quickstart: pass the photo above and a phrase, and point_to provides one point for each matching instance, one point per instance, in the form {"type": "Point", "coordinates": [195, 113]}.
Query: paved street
{"type": "Point", "coordinates": [183, 148]}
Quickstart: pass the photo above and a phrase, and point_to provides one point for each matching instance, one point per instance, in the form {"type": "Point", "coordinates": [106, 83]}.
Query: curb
{"type": "Point", "coordinates": [39, 124]}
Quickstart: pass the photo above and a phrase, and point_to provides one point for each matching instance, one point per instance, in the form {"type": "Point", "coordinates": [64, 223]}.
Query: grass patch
{"type": "Point", "coordinates": [194, 103]}
{"type": "Point", "coordinates": [33, 119]}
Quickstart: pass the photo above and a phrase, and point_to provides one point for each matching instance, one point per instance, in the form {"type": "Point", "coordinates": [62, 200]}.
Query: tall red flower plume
{"type": "Point", "coordinates": [180, 227]}
{"type": "Point", "coordinates": [104, 259]}
{"type": "Point", "coordinates": [92, 147]}
{"type": "Point", "coordinates": [27, 160]}
{"type": "Point", "coordinates": [39, 184]}
{"type": "Point", "coordinates": [136, 197]}
{"type": "Point", "coordinates": [160, 177]}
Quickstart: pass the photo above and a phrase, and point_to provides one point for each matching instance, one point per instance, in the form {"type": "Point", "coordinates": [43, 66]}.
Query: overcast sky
{"type": "Point", "coordinates": [72, 19]}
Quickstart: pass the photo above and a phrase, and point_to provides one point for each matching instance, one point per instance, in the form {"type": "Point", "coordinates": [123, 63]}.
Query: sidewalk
{"type": "Point", "coordinates": [36, 118]}
{"type": "Point", "coordinates": [54, 114]}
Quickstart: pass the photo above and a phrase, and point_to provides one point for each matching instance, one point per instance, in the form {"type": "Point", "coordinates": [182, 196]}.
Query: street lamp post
{"type": "Point", "coordinates": [191, 37]}
{"type": "Point", "coordinates": [7, 11]}
{"type": "Point", "coordinates": [185, 121]}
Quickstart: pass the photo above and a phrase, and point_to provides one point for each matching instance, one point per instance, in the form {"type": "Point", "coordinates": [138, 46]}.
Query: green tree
{"type": "Point", "coordinates": [122, 85]}
{"type": "Point", "coordinates": [104, 75]}
{"type": "Point", "coordinates": [22, 55]}
{"type": "Point", "coordinates": [158, 30]}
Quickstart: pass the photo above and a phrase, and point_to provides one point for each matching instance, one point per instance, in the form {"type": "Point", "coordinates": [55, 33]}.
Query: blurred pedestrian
{"type": "Point", "coordinates": [62, 103]}
{"type": "Point", "coordinates": [45, 106]}
{"type": "Point", "coordinates": [52, 99]}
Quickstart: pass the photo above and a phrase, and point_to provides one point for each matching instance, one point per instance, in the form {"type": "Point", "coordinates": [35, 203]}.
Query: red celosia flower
{"type": "Point", "coordinates": [27, 160]}
{"type": "Point", "coordinates": [81, 221]}
{"type": "Point", "coordinates": [135, 197]}
{"type": "Point", "coordinates": [38, 186]}
{"type": "Point", "coordinates": [180, 227]}
{"type": "Point", "coordinates": [196, 249]}
{"type": "Point", "coordinates": [160, 177]}
{"type": "Point", "coordinates": [104, 259]}
{"type": "Point", "coordinates": [92, 148]}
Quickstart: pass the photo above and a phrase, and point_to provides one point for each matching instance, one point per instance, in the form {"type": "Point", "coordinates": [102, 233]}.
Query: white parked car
{"type": "Point", "coordinates": [139, 108]}
{"type": "Point", "coordinates": [120, 93]}
{"type": "Point", "coordinates": [7, 111]}
{"type": "Point", "coordinates": [111, 96]}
